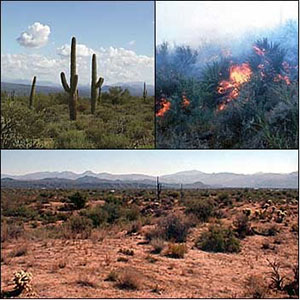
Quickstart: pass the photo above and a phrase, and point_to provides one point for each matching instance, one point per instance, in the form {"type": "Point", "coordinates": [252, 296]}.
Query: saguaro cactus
{"type": "Point", "coordinates": [95, 84]}
{"type": "Point", "coordinates": [32, 93]}
{"type": "Point", "coordinates": [158, 188]}
{"type": "Point", "coordinates": [72, 89]}
{"type": "Point", "coordinates": [181, 192]}
{"type": "Point", "coordinates": [145, 91]}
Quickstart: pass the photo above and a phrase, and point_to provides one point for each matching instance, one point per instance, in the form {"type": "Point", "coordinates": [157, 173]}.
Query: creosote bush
{"type": "Point", "coordinates": [173, 227]}
{"type": "Point", "coordinates": [78, 200]}
{"type": "Point", "coordinates": [201, 208]}
{"type": "Point", "coordinates": [218, 239]}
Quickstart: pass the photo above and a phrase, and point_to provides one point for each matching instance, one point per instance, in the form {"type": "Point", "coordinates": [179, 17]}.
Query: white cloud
{"type": "Point", "coordinates": [81, 50]}
{"type": "Point", "coordinates": [131, 43]}
{"type": "Point", "coordinates": [36, 36]}
{"type": "Point", "coordinates": [114, 64]}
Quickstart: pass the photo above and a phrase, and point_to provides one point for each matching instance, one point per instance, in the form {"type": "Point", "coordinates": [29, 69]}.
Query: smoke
{"type": "Point", "coordinates": [211, 49]}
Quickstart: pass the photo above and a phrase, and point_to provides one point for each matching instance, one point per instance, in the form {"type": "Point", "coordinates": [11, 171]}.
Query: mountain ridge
{"type": "Point", "coordinates": [190, 179]}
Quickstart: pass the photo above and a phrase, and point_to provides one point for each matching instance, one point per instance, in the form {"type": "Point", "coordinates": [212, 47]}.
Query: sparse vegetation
{"type": "Point", "coordinates": [105, 242]}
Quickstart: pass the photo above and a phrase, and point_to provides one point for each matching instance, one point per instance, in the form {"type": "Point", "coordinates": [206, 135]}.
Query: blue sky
{"type": "Point", "coordinates": [151, 162]}
{"type": "Point", "coordinates": [103, 27]}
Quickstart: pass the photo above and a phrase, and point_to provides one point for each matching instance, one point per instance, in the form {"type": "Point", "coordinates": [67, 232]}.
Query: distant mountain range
{"type": "Point", "coordinates": [22, 89]}
{"type": "Point", "coordinates": [189, 179]}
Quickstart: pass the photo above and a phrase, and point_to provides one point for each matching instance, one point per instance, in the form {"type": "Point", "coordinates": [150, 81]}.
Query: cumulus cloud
{"type": "Point", "coordinates": [81, 50]}
{"type": "Point", "coordinates": [131, 43]}
{"type": "Point", "coordinates": [114, 64]}
{"type": "Point", "coordinates": [36, 36]}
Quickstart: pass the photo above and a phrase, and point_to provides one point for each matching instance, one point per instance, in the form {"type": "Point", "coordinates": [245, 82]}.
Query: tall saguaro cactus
{"type": "Point", "coordinates": [72, 89]}
{"type": "Point", "coordinates": [145, 91]}
{"type": "Point", "coordinates": [158, 188]}
{"type": "Point", "coordinates": [32, 93]}
{"type": "Point", "coordinates": [95, 84]}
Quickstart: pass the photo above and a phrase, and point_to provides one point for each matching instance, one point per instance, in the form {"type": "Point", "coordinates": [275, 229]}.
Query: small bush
{"type": "Point", "coordinates": [255, 287]}
{"type": "Point", "coordinates": [19, 251]}
{"type": "Point", "coordinates": [218, 239]}
{"type": "Point", "coordinates": [129, 279]}
{"type": "Point", "coordinates": [202, 209]}
{"type": "Point", "coordinates": [78, 200]}
{"type": "Point", "coordinates": [11, 231]}
{"type": "Point", "coordinates": [174, 227]}
{"type": "Point", "coordinates": [127, 252]}
{"type": "Point", "coordinates": [242, 226]}
{"type": "Point", "coordinates": [158, 245]}
{"type": "Point", "coordinates": [80, 225]}
{"type": "Point", "coordinates": [176, 250]}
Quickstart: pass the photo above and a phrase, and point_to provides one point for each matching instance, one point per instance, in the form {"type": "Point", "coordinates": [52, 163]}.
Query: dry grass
{"type": "Point", "coordinates": [129, 279]}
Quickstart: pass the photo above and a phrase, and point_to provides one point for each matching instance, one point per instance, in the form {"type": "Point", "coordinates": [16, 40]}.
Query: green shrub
{"type": "Point", "coordinates": [78, 200]}
{"type": "Point", "coordinates": [218, 239]}
{"type": "Point", "coordinates": [97, 215]}
{"type": "Point", "coordinates": [202, 209]}
{"type": "Point", "coordinates": [242, 226]}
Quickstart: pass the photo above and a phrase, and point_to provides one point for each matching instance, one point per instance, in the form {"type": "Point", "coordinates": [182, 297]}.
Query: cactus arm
{"type": "Point", "coordinates": [74, 84]}
{"type": "Point", "coordinates": [64, 82]}
{"type": "Point", "coordinates": [99, 82]}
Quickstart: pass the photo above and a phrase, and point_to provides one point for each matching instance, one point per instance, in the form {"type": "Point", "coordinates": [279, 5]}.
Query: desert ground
{"type": "Point", "coordinates": [228, 243]}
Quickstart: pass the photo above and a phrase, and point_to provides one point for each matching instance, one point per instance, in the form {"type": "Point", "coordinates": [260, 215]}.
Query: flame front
{"type": "Point", "coordinates": [165, 107]}
{"type": "Point", "coordinates": [238, 75]}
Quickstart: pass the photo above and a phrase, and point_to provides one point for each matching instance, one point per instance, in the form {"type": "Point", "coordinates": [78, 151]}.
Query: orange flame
{"type": "Point", "coordinates": [258, 51]}
{"type": "Point", "coordinates": [239, 74]}
{"type": "Point", "coordinates": [165, 107]}
{"type": "Point", "coordinates": [285, 78]}
{"type": "Point", "coordinates": [186, 102]}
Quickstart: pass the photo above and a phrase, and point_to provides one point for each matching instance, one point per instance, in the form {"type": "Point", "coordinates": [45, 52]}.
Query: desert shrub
{"type": "Point", "coordinates": [135, 227]}
{"type": "Point", "coordinates": [176, 250]}
{"type": "Point", "coordinates": [97, 215]}
{"type": "Point", "coordinates": [80, 225]}
{"type": "Point", "coordinates": [157, 244]}
{"type": "Point", "coordinates": [126, 252]}
{"type": "Point", "coordinates": [202, 209]}
{"type": "Point", "coordinates": [128, 279]}
{"type": "Point", "coordinates": [174, 227]}
{"type": "Point", "coordinates": [218, 239]}
{"type": "Point", "coordinates": [11, 231]}
{"type": "Point", "coordinates": [20, 211]}
{"type": "Point", "coordinates": [131, 214]}
{"type": "Point", "coordinates": [292, 288]}
{"type": "Point", "coordinates": [78, 200]}
{"type": "Point", "coordinates": [255, 287]}
{"type": "Point", "coordinates": [20, 126]}
{"type": "Point", "coordinates": [112, 276]}
{"type": "Point", "coordinates": [72, 139]}
{"type": "Point", "coordinates": [242, 226]}
{"type": "Point", "coordinates": [19, 251]}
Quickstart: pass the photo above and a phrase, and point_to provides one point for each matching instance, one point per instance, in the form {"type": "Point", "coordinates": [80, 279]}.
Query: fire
{"type": "Point", "coordinates": [285, 78]}
{"type": "Point", "coordinates": [165, 107]}
{"type": "Point", "coordinates": [258, 51]}
{"type": "Point", "coordinates": [186, 102]}
{"type": "Point", "coordinates": [239, 74]}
